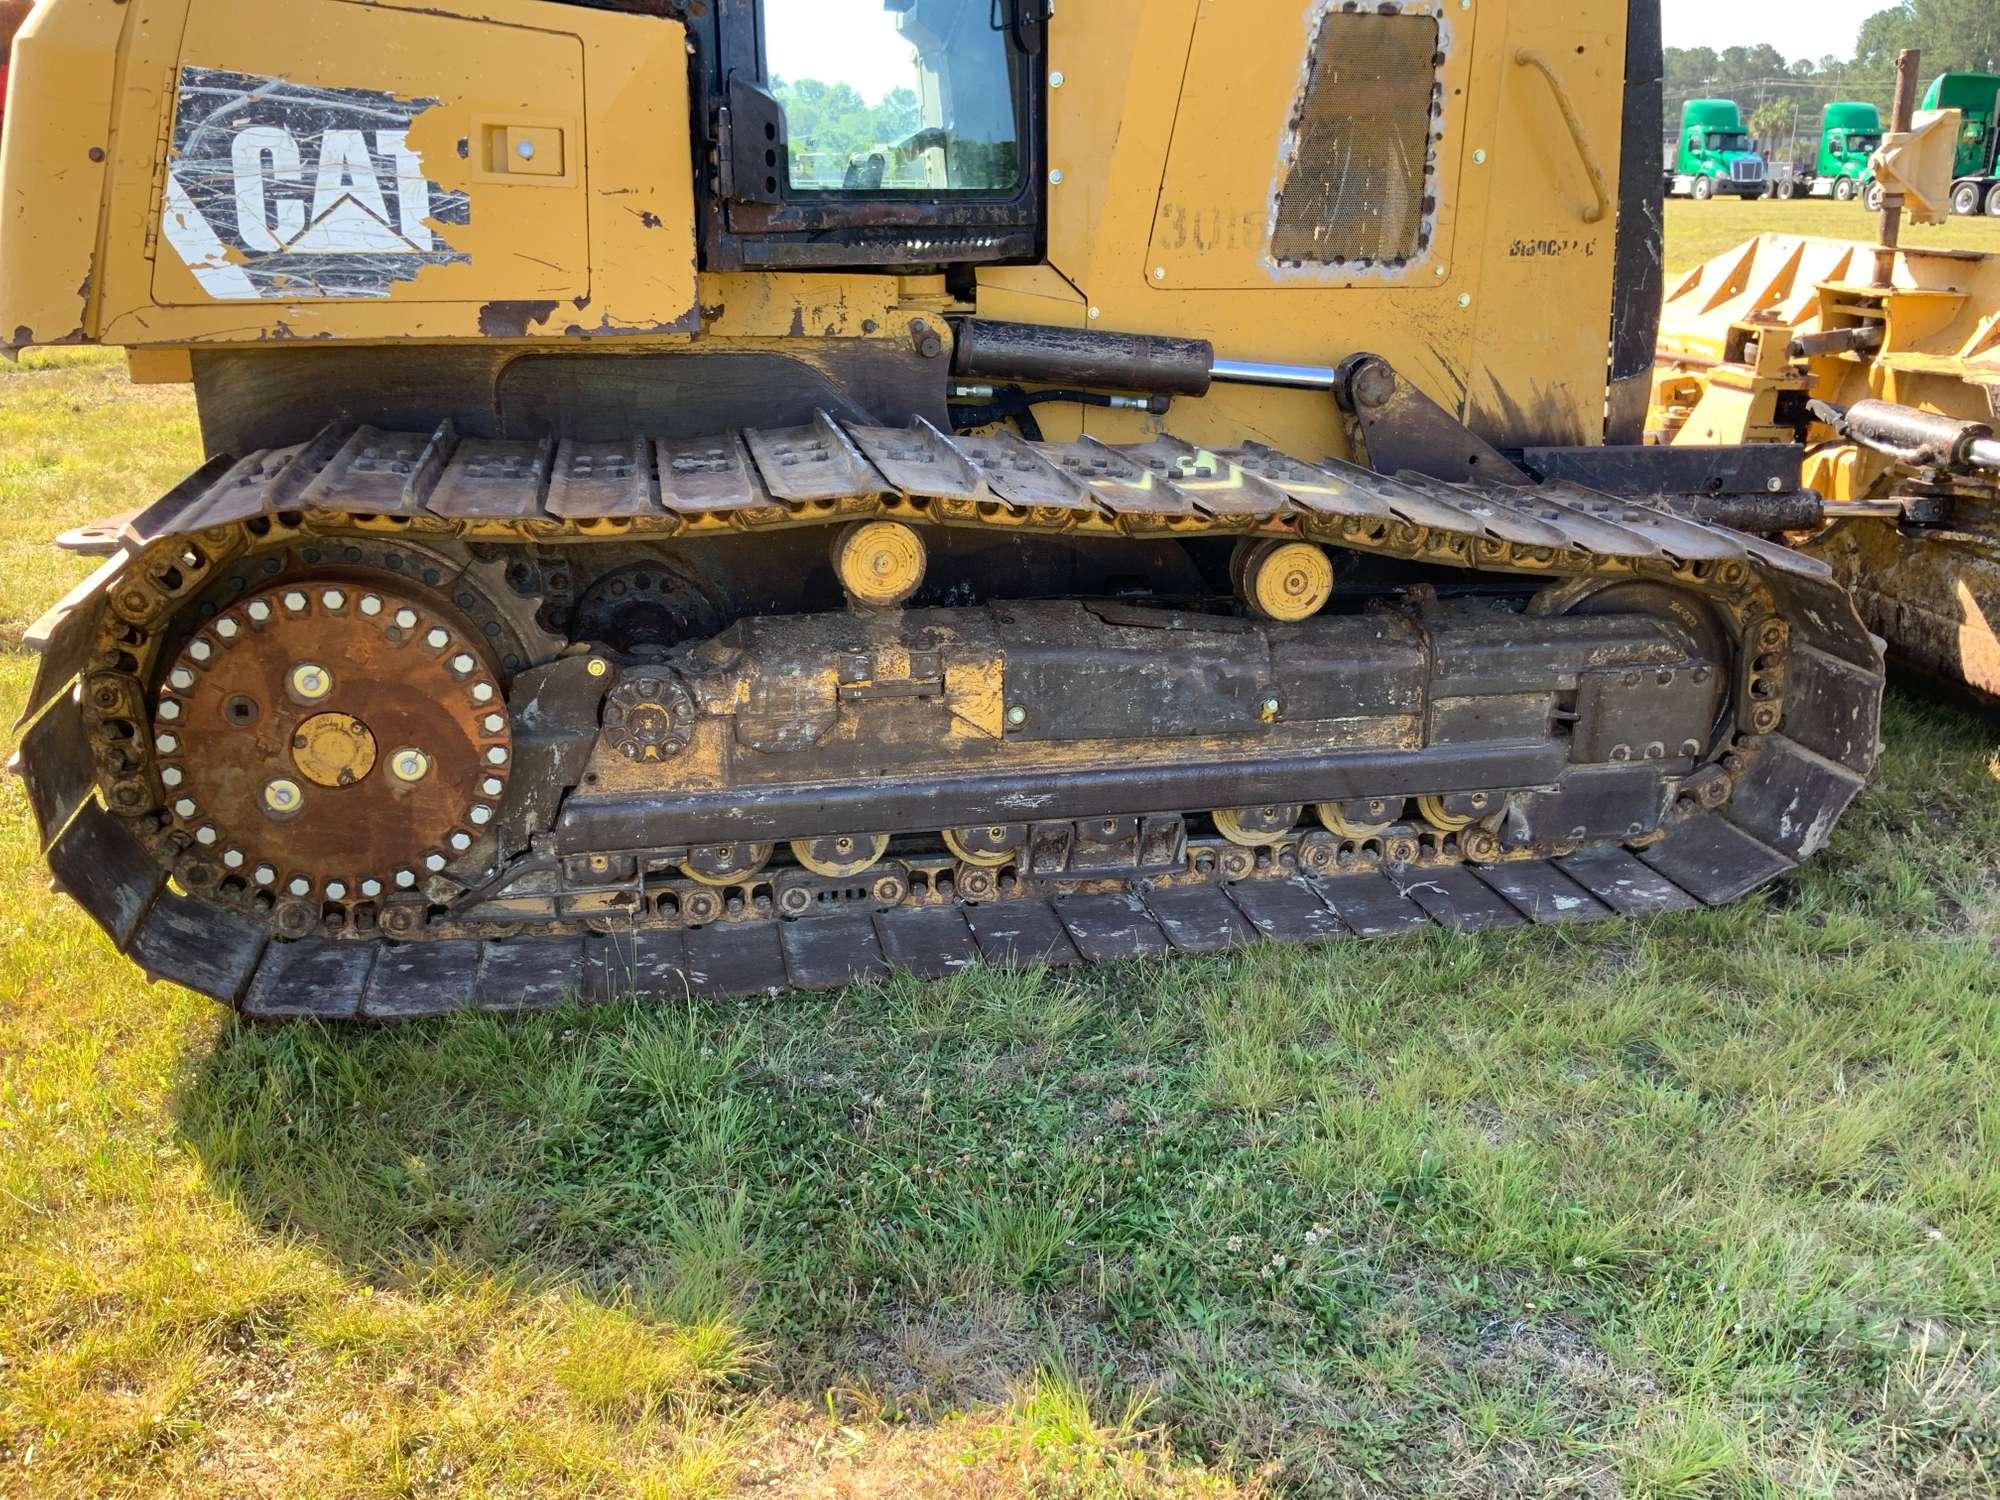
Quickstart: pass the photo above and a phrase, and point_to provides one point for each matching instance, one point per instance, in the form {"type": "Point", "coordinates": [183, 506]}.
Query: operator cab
{"type": "Point", "coordinates": [873, 133]}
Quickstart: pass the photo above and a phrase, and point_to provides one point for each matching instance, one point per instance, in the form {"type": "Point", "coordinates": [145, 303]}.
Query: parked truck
{"type": "Point", "coordinates": [1975, 174]}
{"type": "Point", "coordinates": [1849, 132]}
{"type": "Point", "coordinates": [1713, 153]}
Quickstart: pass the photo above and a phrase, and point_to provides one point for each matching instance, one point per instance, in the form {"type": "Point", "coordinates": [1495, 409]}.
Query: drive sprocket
{"type": "Point", "coordinates": [329, 740]}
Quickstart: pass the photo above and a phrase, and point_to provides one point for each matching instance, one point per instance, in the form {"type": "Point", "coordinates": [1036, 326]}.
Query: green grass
{"type": "Point", "coordinates": [1706, 1207]}
{"type": "Point", "coordinates": [1698, 231]}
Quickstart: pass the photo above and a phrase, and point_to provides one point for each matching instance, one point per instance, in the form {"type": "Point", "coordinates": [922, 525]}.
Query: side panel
{"type": "Point", "coordinates": [63, 79]}
{"type": "Point", "coordinates": [1503, 317]}
{"type": "Point", "coordinates": [313, 158]}
{"type": "Point", "coordinates": [350, 170]}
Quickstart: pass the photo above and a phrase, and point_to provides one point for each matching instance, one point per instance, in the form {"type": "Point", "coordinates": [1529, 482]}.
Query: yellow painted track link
{"type": "Point", "coordinates": [1805, 707]}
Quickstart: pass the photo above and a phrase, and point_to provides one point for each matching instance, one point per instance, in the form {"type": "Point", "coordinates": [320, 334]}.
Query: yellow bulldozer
{"type": "Point", "coordinates": [713, 496]}
{"type": "Point", "coordinates": [1886, 375]}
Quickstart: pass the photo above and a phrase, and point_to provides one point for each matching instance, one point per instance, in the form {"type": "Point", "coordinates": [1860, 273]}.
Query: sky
{"type": "Point", "coordinates": [845, 42]}
{"type": "Point", "coordinates": [1797, 28]}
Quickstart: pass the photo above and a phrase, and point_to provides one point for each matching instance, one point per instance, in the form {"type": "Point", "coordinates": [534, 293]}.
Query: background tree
{"type": "Point", "coordinates": [1774, 124]}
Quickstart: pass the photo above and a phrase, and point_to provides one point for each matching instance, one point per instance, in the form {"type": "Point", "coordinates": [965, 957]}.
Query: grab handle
{"type": "Point", "coordinates": [1527, 57]}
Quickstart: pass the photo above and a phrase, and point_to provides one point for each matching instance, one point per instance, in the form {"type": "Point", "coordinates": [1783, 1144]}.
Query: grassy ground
{"type": "Point", "coordinates": [1705, 1207]}
{"type": "Point", "coordinates": [1696, 231]}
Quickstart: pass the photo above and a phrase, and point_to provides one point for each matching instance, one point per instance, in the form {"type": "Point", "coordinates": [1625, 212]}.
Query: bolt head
{"type": "Point", "coordinates": [482, 692]}
{"type": "Point", "coordinates": [333, 599]}
{"type": "Point", "coordinates": [200, 650]}
{"type": "Point", "coordinates": [233, 858]}
{"type": "Point", "coordinates": [371, 888]}
{"type": "Point", "coordinates": [406, 619]}
{"type": "Point", "coordinates": [171, 776]}
{"type": "Point", "coordinates": [258, 610]}
{"type": "Point", "coordinates": [409, 765]}
{"type": "Point", "coordinates": [265, 875]}
{"type": "Point", "coordinates": [497, 756]}
{"type": "Point", "coordinates": [463, 663]}
{"type": "Point", "coordinates": [1479, 158]}
{"type": "Point", "coordinates": [371, 604]}
{"type": "Point", "coordinates": [227, 628]}
{"type": "Point", "coordinates": [300, 886]}
{"type": "Point", "coordinates": [283, 796]}
{"type": "Point", "coordinates": [170, 710]}
{"type": "Point", "coordinates": [1159, 273]}
{"type": "Point", "coordinates": [311, 681]}
{"type": "Point", "coordinates": [436, 639]}
{"type": "Point", "coordinates": [598, 666]}
{"type": "Point", "coordinates": [184, 808]}
{"type": "Point", "coordinates": [1374, 382]}
{"type": "Point", "coordinates": [1055, 177]}
{"type": "Point", "coordinates": [295, 602]}
{"type": "Point", "coordinates": [1017, 716]}
{"type": "Point", "coordinates": [1055, 80]}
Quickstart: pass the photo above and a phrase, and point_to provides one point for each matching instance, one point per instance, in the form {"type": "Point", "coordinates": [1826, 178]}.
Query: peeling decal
{"type": "Point", "coordinates": [287, 191]}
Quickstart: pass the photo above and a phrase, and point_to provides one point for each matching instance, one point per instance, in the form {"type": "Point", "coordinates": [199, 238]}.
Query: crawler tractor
{"type": "Point", "coordinates": [742, 494]}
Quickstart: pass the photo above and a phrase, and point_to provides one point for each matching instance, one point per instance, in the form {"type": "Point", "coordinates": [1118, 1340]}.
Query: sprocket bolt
{"type": "Point", "coordinates": [409, 765]}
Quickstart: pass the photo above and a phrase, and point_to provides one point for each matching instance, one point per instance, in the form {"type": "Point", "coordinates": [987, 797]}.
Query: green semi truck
{"type": "Point", "coordinates": [1713, 153]}
{"type": "Point", "coordinates": [1849, 133]}
{"type": "Point", "coordinates": [1975, 173]}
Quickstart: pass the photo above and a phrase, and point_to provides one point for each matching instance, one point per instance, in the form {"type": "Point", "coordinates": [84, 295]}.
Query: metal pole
{"type": "Point", "coordinates": [1901, 117]}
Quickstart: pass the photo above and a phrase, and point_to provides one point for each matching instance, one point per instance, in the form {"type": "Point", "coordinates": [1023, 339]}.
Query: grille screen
{"type": "Point", "coordinates": [1359, 186]}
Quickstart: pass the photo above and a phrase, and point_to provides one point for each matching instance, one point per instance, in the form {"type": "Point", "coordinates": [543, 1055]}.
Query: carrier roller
{"type": "Point", "coordinates": [318, 740]}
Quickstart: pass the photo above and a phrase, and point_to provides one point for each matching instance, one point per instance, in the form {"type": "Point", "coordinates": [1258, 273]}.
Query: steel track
{"type": "Point", "coordinates": [1808, 699]}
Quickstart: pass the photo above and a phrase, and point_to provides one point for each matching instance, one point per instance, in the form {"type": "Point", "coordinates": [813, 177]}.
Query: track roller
{"type": "Point", "coordinates": [1281, 580]}
{"type": "Point", "coordinates": [988, 847]}
{"type": "Point", "coordinates": [725, 864]}
{"type": "Point", "coordinates": [1439, 817]}
{"type": "Point", "coordinates": [1256, 827]}
{"type": "Point", "coordinates": [840, 856]}
{"type": "Point", "coordinates": [880, 563]}
{"type": "Point", "coordinates": [1365, 818]}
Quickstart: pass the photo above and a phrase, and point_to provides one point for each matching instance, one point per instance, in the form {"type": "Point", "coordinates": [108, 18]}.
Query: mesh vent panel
{"type": "Point", "coordinates": [1359, 188]}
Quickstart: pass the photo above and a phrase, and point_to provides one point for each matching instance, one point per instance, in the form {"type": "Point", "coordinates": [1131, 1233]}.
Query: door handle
{"type": "Point", "coordinates": [1527, 57]}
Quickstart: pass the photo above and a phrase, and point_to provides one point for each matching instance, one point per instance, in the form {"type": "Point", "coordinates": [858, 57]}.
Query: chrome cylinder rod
{"type": "Point", "coordinates": [1250, 372]}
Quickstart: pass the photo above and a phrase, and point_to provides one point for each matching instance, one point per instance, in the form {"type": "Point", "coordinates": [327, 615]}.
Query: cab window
{"type": "Point", "coordinates": [896, 96]}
